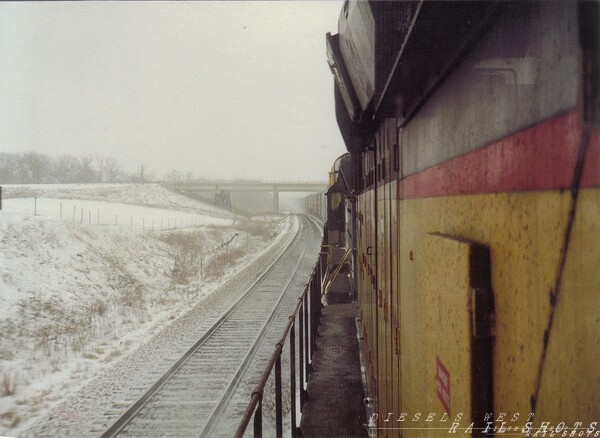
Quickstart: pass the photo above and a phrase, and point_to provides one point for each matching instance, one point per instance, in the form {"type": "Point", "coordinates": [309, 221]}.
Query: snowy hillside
{"type": "Point", "coordinates": [148, 195]}
{"type": "Point", "coordinates": [78, 293]}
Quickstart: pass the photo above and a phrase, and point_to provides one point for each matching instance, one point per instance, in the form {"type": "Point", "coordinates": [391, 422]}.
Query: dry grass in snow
{"type": "Point", "coordinates": [75, 298]}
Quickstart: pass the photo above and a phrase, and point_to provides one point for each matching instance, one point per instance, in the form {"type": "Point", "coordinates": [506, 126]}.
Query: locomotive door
{"type": "Point", "coordinates": [453, 328]}
{"type": "Point", "coordinates": [381, 279]}
{"type": "Point", "coordinates": [385, 287]}
{"type": "Point", "coordinates": [368, 299]}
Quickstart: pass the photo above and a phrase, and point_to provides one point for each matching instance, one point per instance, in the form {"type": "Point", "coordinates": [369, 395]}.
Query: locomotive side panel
{"type": "Point", "coordinates": [490, 161]}
{"type": "Point", "coordinates": [570, 382]}
{"type": "Point", "coordinates": [392, 224]}
{"type": "Point", "coordinates": [525, 69]}
{"type": "Point", "coordinates": [366, 253]}
{"type": "Point", "coordinates": [521, 172]}
{"type": "Point", "coordinates": [383, 291]}
{"type": "Point", "coordinates": [522, 274]}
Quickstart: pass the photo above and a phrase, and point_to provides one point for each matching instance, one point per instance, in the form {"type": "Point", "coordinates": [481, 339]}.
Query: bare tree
{"type": "Point", "coordinates": [36, 167]}
{"type": "Point", "coordinates": [86, 170]}
{"type": "Point", "coordinates": [31, 167]}
{"type": "Point", "coordinates": [112, 170]}
{"type": "Point", "coordinates": [100, 163]}
{"type": "Point", "coordinates": [8, 168]}
{"type": "Point", "coordinates": [65, 169]}
{"type": "Point", "coordinates": [174, 176]}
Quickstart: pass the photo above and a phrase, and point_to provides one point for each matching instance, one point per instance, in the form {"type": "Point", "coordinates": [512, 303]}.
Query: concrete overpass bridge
{"type": "Point", "coordinates": [221, 189]}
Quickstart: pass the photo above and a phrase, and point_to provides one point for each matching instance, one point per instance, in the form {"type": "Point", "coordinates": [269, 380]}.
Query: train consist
{"type": "Point", "coordinates": [470, 196]}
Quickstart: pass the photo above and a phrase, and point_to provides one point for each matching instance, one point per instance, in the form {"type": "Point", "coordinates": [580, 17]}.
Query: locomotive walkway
{"type": "Point", "coordinates": [335, 405]}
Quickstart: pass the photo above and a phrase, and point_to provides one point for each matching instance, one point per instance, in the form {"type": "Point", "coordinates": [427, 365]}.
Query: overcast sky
{"type": "Point", "coordinates": [221, 89]}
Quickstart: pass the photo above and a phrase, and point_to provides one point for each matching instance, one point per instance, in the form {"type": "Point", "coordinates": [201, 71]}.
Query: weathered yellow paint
{"type": "Point", "coordinates": [381, 304]}
{"type": "Point", "coordinates": [525, 233]}
{"type": "Point", "coordinates": [394, 344]}
{"type": "Point", "coordinates": [570, 386]}
{"type": "Point", "coordinates": [368, 297]}
{"type": "Point", "coordinates": [397, 306]}
{"type": "Point", "coordinates": [435, 324]}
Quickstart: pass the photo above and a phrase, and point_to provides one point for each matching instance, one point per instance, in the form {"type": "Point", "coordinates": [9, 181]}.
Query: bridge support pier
{"type": "Point", "coordinates": [275, 201]}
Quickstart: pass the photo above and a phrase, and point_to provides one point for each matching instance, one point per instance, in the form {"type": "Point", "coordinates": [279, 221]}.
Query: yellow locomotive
{"type": "Point", "coordinates": [473, 136]}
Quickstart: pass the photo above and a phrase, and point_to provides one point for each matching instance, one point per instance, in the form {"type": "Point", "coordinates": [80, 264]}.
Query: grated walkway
{"type": "Point", "coordinates": [335, 405]}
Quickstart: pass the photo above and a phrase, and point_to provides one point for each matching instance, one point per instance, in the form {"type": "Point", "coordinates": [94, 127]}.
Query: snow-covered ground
{"type": "Point", "coordinates": [111, 214]}
{"type": "Point", "coordinates": [78, 294]}
{"type": "Point", "coordinates": [147, 195]}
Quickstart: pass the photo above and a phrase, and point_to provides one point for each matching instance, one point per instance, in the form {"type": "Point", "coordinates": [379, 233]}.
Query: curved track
{"type": "Point", "coordinates": [225, 422]}
{"type": "Point", "coordinates": [190, 395]}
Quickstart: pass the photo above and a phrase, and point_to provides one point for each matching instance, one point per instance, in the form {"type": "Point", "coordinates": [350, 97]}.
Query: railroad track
{"type": "Point", "coordinates": [235, 404]}
{"type": "Point", "coordinates": [189, 397]}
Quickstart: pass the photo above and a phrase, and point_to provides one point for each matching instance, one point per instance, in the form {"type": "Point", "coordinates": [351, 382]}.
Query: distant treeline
{"type": "Point", "coordinates": [34, 168]}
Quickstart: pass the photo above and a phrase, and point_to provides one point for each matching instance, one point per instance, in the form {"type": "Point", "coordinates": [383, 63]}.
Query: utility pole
{"type": "Point", "coordinates": [142, 174]}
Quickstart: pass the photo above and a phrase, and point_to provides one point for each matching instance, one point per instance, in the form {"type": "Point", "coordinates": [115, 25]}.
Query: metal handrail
{"type": "Point", "coordinates": [329, 282]}
{"type": "Point", "coordinates": [307, 313]}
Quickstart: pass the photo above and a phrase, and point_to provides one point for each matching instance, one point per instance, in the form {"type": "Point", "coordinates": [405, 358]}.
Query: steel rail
{"type": "Point", "coordinates": [307, 312]}
{"type": "Point", "coordinates": [214, 417]}
{"type": "Point", "coordinates": [118, 425]}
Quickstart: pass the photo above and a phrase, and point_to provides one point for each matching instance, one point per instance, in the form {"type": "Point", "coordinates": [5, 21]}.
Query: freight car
{"type": "Point", "coordinates": [473, 131]}
{"type": "Point", "coordinates": [314, 204]}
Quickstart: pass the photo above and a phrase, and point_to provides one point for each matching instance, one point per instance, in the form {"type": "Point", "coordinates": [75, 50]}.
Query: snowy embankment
{"type": "Point", "coordinates": [78, 294]}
